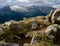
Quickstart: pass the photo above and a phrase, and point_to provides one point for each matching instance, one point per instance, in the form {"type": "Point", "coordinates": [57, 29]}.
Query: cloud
{"type": "Point", "coordinates": [34, 1]}
{"type": "Point", "coordinates": [51, 1]}
{"type": "Point", "coordinates": [56, 6]}
{"type": "Point", "coordinates": [22, 0]}
{"type": "Point", "coordinates": [9, 1]}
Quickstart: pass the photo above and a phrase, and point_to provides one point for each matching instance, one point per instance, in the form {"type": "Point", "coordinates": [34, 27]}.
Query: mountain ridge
{"type": "Point", "coordinates": [7, 14]}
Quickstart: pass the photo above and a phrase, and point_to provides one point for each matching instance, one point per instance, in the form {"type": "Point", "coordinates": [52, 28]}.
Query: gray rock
{"type": "Point", "coordinates": [52, 30]}
{"type": "Point", "coordinates": [56, 16]}
{"type": "Point", "coordinates": [34, 25]}
{"type": "Point", "coordinates": [11, 44]}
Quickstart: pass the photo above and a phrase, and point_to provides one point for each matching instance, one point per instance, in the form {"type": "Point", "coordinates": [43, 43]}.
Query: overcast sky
{"type": "Point", "coordinates": [51, 2]}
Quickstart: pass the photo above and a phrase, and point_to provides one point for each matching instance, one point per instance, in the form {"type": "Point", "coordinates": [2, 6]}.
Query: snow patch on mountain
{"type": "Point", "coordinates": [18, 8]}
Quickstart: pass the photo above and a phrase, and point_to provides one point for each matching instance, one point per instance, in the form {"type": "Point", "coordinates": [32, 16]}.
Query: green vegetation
{"type": "Point", "coordinates": [44, 40]}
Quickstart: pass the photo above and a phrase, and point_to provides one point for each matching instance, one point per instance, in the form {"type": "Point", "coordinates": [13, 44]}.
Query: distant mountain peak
{"type": "Point", "coordinates": [6, 8]}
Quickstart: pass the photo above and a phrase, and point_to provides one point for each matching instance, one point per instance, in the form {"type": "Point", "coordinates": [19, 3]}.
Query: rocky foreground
{"type": "Point", "coordinates": [35, 31]}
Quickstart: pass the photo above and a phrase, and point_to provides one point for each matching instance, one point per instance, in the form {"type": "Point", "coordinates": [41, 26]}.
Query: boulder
{"type": "Point", "coordinates": [56, 17]}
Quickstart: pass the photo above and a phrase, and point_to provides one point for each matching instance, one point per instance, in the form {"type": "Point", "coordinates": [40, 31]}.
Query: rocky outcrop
{"type": "Point", "coordinates": [36, 28]}
{"type": "Point", "coordinates": [56, 16]}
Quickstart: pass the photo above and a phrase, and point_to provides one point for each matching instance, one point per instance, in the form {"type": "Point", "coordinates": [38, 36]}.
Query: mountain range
{"type": "Point", "coordinates": [18, 13]}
